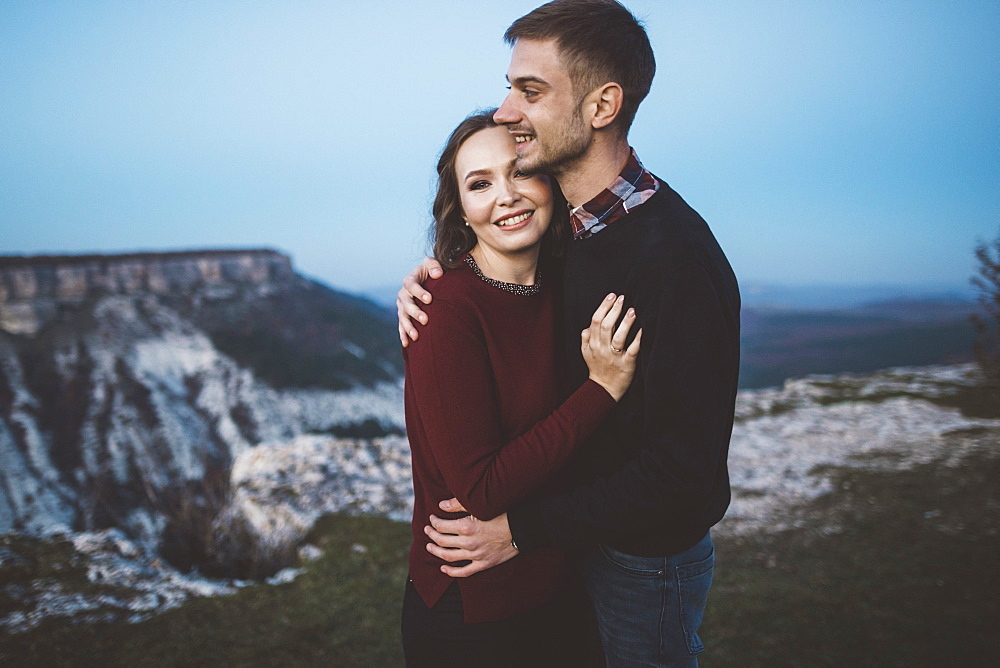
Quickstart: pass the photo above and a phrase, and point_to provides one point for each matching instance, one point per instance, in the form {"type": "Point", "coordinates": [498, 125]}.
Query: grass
{"type": "Point", "coordinates": [894, 569]}
{"type": "Point", "coordinates": [344, 611]}
{"type": "Point", "coordinates": [908, 576]}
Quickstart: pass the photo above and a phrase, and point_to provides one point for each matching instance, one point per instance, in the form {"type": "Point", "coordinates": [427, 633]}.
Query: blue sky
{"type": "Point", "coordinates": [831, 142]}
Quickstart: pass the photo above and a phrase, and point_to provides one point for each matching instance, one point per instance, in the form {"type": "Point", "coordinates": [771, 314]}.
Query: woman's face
{"type": "Point", "coordinates": [508, 211]}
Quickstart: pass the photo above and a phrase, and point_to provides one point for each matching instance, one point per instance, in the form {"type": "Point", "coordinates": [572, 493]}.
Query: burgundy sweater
{"type": "Point", "coordinates": [485, 425]}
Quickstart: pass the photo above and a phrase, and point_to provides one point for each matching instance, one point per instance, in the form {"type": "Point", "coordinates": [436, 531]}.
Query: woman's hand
{"type": "Point", "coordinates": [611, 364]}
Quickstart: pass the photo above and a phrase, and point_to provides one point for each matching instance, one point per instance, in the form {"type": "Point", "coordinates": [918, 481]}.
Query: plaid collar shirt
{"type": "Point", "coordinates": [634, 185]}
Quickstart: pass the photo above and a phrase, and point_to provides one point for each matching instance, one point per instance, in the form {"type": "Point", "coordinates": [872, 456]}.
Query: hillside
{"type": "Point", "coordinates": [128, 383]}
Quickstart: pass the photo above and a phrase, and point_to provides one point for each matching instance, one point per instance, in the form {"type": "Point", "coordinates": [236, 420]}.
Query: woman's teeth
{"type": "Point", "coordinates": [515, 220]}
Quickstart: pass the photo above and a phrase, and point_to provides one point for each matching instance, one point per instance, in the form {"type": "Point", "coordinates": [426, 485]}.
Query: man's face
{"type": "Point", "coordinates": [542, 111]}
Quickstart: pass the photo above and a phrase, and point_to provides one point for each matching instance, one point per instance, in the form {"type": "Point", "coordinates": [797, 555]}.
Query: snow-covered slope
{"type": "Point", "coordinates": [116, 397]}
{"type": "Point", "coordinates": [784, 437]}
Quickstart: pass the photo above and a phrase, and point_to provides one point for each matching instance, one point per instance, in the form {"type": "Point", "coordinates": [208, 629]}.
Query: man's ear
{"type": "Point", "coordinates": [607, 100]}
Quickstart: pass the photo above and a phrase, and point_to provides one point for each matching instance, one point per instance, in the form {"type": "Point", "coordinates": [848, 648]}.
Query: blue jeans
{"type": "Point", "coordinates": [649, 608]}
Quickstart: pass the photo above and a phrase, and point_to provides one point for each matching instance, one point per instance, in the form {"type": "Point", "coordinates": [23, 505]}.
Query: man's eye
{"type": "Point", "coordinates": [530, 93]}
{"type": "Point", "coordinates": [520, 175]}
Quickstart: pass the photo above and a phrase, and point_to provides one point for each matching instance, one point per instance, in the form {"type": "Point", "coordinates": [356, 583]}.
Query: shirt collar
{"type": "Point", "coordinates": [633, 186]}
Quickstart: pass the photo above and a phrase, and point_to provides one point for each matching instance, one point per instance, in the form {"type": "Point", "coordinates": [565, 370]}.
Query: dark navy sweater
{"type": "Point", "coordinates": [653, 479]}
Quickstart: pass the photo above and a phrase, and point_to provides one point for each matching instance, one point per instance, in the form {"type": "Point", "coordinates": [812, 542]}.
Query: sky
{"type": "Point", "coordinates": [825, 141]}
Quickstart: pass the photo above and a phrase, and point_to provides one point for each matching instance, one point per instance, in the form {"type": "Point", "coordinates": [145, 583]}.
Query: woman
{"type": "Point", "coordinates": [483, 410]}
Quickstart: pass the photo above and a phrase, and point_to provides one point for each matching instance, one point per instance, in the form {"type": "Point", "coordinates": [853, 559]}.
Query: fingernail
{"type": "Point", "coordinates": [426, 299]}
{"type": "Point", "coordinates": [610, 296]}
{"type": "Point", "coordinates": [631, 312]}
{"type": "Point", "coordinates": [621, 298]}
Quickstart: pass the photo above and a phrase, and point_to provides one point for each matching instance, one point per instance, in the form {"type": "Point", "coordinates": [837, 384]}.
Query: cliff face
{"type": "Point", "coordinates": [126, 380]}
{"type": "Point", "coordinates": [33, 288]}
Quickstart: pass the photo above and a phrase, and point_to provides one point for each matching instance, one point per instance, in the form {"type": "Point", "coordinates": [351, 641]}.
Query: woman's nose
{"type": "Point", "coordinates": [508, 193]}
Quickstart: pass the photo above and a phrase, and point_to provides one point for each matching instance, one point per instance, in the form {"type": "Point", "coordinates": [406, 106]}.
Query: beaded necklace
{"type": "Point", "coordinates": [513, 288]}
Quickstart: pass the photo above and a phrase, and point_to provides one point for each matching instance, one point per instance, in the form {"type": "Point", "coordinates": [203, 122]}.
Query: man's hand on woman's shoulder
{"type": "Point", "coordinates": [412, 291]}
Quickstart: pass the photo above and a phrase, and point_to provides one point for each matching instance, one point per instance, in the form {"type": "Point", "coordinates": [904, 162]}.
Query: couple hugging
{"type": "Point", "coordinates": [571, 368]}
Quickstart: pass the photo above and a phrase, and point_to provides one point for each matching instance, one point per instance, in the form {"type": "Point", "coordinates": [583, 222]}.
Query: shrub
{"type": "Point", "coordinates": [190, 511]}
{"type": "Point", "coordinates": [208, 530]}
{"type": "Point", "coordinates": [250, 550]}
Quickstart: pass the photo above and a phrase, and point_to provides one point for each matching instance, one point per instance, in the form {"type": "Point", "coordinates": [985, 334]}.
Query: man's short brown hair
{"type": "Point", "coordinates": [600, 41]}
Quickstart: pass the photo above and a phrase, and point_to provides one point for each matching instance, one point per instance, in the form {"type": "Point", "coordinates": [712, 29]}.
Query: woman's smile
{"type": "Point", "coordinates": [514, 221]}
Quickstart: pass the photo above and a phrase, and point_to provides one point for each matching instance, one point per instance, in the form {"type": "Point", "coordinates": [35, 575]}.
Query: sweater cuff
{"type": "Point", "coordinates": [599, 401]}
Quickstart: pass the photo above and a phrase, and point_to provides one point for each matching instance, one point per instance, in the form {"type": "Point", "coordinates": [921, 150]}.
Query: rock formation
{"type": "Point", "coordinates": [33, 289]}
{"type": "Point", "coordinates": [128, 380]}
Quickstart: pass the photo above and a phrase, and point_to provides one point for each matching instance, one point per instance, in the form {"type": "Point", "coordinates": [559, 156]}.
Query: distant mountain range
{"type": "Point", "coordinates": [782, 343]}
{"type": "Point", "coordinates": [822, 297]}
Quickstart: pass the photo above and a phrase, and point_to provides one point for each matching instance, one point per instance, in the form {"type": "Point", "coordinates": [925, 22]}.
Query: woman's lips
{"type": "Point", "coordinates": [514, 221]}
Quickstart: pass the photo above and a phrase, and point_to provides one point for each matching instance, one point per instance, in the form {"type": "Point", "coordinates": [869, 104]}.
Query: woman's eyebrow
{"type": "Point", "coordinates": [487, 172]}
{"type": "Point", "coordinates": [479, 172]}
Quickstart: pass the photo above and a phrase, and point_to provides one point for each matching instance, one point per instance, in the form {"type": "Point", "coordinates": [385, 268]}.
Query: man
{"type": "Point", "coordinates": [653, 481]}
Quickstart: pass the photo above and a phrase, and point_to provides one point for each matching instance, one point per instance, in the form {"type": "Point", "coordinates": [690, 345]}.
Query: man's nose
{"type": "Point", "coordinates": [507, 113]}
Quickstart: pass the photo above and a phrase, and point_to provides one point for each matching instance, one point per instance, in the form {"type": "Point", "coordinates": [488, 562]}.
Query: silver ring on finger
{"type": "Point", "coordinates": [617, 350]}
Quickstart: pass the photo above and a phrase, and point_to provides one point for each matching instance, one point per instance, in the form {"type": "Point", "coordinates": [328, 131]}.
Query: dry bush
{"type": "Point", "coordinates": [190, 511]}
{"type": "Point", "coordinates": [246, 552]}
{"type": "Point", "coordinates": [987, 344]}
{"type": "Point", "coordinates": [208, 532]}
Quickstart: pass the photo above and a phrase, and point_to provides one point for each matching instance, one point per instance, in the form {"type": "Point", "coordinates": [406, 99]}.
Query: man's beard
{"type": "Point", "coordinates": [562, 147]}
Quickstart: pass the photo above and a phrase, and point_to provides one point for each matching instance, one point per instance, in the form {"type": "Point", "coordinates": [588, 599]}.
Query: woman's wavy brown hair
{"type": "Point", "coordinates": [450, 237]}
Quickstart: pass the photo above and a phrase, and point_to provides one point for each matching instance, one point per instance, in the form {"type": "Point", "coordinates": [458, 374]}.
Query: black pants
{"type": "Point", "coordinates": [561, 632]}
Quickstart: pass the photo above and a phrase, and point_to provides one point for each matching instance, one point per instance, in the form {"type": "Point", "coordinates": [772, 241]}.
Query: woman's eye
{"type": "Point", "coordinates": [478, 185]}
